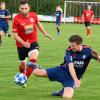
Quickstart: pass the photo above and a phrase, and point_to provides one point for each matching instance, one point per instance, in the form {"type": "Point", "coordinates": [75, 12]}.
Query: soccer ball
{"type": "Point", "coordinates": [20, 78]}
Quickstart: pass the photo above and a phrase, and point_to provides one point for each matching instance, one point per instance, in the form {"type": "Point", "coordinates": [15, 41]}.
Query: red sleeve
{"type": "Point", "coordinates": [83, 12]}
{"type": "Point", "coordinates": [36, 19]}
{"type": "Point", "coordinates": [92, 13]}
{"type": "Point", "coordinates": [15, 26]}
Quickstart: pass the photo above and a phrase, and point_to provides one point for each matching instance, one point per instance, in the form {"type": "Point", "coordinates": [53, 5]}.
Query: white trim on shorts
{"type": "Point", "coordinates": [32, 52]}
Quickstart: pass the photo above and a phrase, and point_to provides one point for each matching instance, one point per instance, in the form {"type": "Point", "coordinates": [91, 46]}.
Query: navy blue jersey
{"type": "Point", "coordinates": [80, 59]}
{"type": "Point", "coordinates": [58, 15]}
{"type": "Point", "coordinates": [4, 13]}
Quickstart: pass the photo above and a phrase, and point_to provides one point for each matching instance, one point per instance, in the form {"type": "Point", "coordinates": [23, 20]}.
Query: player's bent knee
{"type": "Point", "coordinates": [68, 92]}
{"type": "Point", "coordinates": [68, 96]}
{"type": "Point", "coordinates": [33, 54]}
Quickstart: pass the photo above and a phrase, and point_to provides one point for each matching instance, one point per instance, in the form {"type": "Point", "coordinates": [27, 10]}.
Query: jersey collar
{"type": "Point", "coordinates": [80, 49]}
{"type": "Point", "coordinates": [25, 16]}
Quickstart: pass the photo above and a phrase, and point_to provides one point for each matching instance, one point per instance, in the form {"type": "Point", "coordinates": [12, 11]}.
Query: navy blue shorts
{"type": "Point", "coordinates": [58, 23]}
{"type": "Point", "coordinates": [58, 74]}
{"type": "Point", "coordinates": [4, 27]}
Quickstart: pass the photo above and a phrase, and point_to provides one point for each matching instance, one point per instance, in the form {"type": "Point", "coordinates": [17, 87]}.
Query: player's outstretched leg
{"type": "Point", "coordinates": [58, 30]}
{"type": "Point", "coordinates": [66, 92]}
{"type": "Point", "coordinates": [0, 41]}
{"type": "Point", "coordinates": [1, 33]}
{"type": "Point", "coordinates": [58, 93]}
{"type": "Point", "coordinates": [88, 31]}
{"type": "Point", "coordinates": [30, 67]}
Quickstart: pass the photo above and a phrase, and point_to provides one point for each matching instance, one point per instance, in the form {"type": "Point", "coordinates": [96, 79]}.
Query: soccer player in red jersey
{"type": "Point", "coordinates": [88, 16]}
{"type": "Point", "coordinates": [25, 33]}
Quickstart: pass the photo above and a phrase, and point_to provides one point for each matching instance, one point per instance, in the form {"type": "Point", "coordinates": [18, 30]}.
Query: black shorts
{"type": "Point", "coordinates": [23, 52]}
{"type": "Point", "coordinates": [87, 23]}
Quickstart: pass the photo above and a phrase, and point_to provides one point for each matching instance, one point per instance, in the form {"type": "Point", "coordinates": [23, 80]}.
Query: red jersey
{"type": "Point", "coordinates": [88, 15]}
{"type": "Point", "coordinates": [25, 27]}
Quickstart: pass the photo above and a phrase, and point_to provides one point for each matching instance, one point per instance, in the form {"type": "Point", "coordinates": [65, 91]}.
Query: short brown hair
{"type": "Point", "coordinates": [2, 3]}
{"type": "Point", "coordinates": [23, 2]}
{"type": "Point", "coordinates": [76, 38]}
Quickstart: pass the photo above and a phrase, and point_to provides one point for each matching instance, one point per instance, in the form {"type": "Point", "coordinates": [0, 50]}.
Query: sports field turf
{"type": "Point", "coordinates": [51, 54]}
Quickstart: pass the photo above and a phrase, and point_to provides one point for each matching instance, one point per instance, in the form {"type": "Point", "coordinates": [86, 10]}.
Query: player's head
{"type": "Point", "coordinates": [24, 8]}
{"type": "Point", "coordinates": [58, 8]}
{"type": "Point", "coordinates": [2, 5]}
{"type": "Point", "coordinates": [76, 42]}
{"type": "Point", "coordinates": [88, 7]}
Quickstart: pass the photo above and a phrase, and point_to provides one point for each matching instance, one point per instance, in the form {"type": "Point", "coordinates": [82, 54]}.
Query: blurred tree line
{"type": "Point", "coordinates": [45, 7]}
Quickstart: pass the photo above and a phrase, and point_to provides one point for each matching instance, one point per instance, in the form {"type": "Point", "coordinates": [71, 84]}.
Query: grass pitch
{"type": "Point", "coordinates": [51, 54]}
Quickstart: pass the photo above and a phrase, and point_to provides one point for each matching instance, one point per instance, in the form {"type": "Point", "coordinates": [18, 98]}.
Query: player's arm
{"type": "Point", "coordinates": [73, 74]}
{"type": "Point", "coordinates": [16, 36]}
{"type": "Point", "coordinates": [96, 55]}
{"type": "Point", "coordinates": [83, 17]}
{"type": "Point", "coordinates": [61, 15]}
{"type": "Point", "coordinates": [6, 17]}
{"type": "Point", "coordinates": [69, 61]}
{"type": "Point", "coordinates": [92, 17]}
{"type": "Point", "coordinates": [22, 42]}
{"type": "Point", "coordinates": [61, 18]}
{"type": "Point", "coordinates": [40, 27]}
{"type": "Point", "coordinates": [64, 63]}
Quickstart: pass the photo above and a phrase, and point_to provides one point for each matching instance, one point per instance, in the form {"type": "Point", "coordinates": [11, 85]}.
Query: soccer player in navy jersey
{"type": "Point", "coordinates": [58, 16]}
{"type": "Point", "coordinates": [4, 15]}
{"type": "Point", "coordinates": [69, 73]}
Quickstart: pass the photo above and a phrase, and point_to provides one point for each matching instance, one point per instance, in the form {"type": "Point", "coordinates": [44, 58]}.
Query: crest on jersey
{"type": "Point", "coordinates": [31, 20]}
{"type": "Point", "coordinates": [71, 59]}
{"type": "Point", "coordinates": [84, 56]}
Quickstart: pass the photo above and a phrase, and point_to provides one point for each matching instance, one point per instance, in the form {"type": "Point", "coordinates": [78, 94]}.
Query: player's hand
{"type": "Point", "coordinates": [49, 36]}
{"type": "Point", "coordinates": [1, 16]}
{"type": "Point", "coordinates": [99, 58]}
{"type": "Point", "coordinates": [27, 44]}
{"type": "Point", "coordinates": [77, 83]}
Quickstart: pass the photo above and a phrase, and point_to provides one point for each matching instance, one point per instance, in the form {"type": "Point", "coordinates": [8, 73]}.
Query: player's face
{"type": "Point", "coordinates": [75, 47]}
{"type": "Point", "coordinates": [88, 7]}
{"type": "Point", "coordinates": [2, 6]}
{"type": "Point", "coordinates": [24, 9]}
{"type": "Point", "coordinates": [57, 8]}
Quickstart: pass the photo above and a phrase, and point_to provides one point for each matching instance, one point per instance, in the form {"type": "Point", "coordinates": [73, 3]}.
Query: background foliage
{"type": "Point", "coordinates": [46, 7]}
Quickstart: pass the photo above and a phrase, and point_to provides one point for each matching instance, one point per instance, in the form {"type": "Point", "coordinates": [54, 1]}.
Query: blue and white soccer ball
{"type": "Point", "coordinates": [20, 78]}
